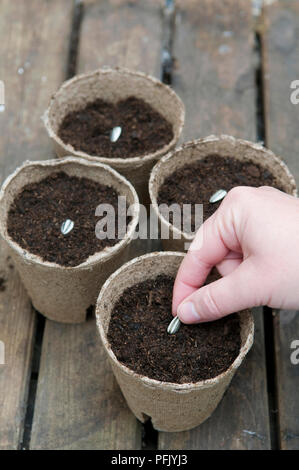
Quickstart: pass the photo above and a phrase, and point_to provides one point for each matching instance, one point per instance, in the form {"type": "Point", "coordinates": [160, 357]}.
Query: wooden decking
{"type": "Point", "coordinates": [233, 70]}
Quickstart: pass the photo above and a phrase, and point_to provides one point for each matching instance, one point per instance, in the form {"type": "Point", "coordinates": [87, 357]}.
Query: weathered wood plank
{"type": "Point", "coordinates": [17, 326]}
{"type": "Point", "coordinates": [121, 33]}
{"type": "Point", "coordinates": [280, 40]}
{"type": "Point", "coordinates": [215, 78]}
{"type": "Point", "coordinates": [33, 37]}
{"type": "Point", "coordinates": [79, 405]}
{"type": "Point", "coordinates": [214, 73]}
{"type": "Point", "coordinates": [286, 325]}
{"type": "Point", "coordinates": [32, 64]}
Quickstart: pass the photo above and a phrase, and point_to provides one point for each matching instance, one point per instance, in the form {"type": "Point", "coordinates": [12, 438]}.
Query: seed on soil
{"type": "Point", "coordinates": [115, 133]}
{"type": "Point", "coordinates": [67, 226]}
{"type": "Point", "coordinates": [195, 183]}
{"type": "Point", "coordinates": [40, 219]}
{"type": "Point", "coordinates": [139, 339]}
{"type": "Point", "coordinates": [218, 196]}
{"type": "Point", "coordinates": [135, 125]}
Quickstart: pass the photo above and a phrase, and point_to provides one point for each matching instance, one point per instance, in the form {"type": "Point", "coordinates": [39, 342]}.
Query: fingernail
{"type": "Point", "coordinates": [187, 313]}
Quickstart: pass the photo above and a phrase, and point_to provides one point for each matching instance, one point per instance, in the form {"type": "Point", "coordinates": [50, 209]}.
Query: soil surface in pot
{"type": "Point", "coordinates": [139, 339]}
{"type": "Point", "coordinates": [197, 182]}
{"type": "Point", "coordinates": [38, 211]}
{"type": "Point", "coordinates": [144, 130]}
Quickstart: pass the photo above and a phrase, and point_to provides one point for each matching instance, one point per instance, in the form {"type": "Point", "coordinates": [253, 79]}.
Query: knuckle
{"type": "Point", "coordinates": [237, 193]}
{"type": "Point", "coordinates": [240, 197]}
{"type": "Point", "coordinates": [267, 188]}
{"type": "Point", "coordinates": [199, 262]}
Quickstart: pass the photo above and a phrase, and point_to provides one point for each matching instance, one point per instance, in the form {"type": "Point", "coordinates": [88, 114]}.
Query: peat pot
{"type": "Point", "coordinates": [171, 407]}
{"type": "Point", "coordinates": [199, 149]}
{"type": "Point", "coordinates": [64, 293]}
{"type": "Point", "coordinates": [112, 85]}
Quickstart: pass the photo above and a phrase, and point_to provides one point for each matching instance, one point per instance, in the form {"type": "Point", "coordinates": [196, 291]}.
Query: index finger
{"type": "Point", "coordinates": [206, 250]}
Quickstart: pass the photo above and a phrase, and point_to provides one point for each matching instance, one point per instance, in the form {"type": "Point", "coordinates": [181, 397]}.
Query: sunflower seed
{"type": "Point", "coordinates": [67, 226]}
{"type": "Point", "coordinates": [115, 133]}
{"type": "Point", "coordinates": [174, 326]}
{"type": "Point", "coordinates": [218, 196]}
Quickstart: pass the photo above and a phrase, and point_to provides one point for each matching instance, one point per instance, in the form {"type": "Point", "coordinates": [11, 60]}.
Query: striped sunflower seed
{"type": "Point", "coordinates": [174, 326]}
{"type": "Point", "coordinates": [67, 226]}
{"type": "Point", "coordinates": [218, 196]}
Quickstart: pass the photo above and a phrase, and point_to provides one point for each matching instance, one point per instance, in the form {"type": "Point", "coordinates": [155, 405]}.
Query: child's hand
{"type": "Point", "coordinates": [253, 239]}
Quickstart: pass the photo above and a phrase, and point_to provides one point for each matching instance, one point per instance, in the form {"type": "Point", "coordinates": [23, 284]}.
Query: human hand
{"type": "Point", "coordinates": [253, 240]}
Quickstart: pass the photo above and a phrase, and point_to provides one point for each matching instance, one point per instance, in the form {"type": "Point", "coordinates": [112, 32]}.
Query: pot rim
{"type": "Point", "coordinates": [193, 143]}
{"type": "Point", "coordinates": [154, 383]}
{"type": "Point", "coordinates": [118, 161]}
{"type": "Point", "coordinates": [103, 255]}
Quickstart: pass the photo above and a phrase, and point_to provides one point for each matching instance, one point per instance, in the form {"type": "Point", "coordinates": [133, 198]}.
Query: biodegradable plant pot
{"type": "Point", "coordinates": [113, 85]}
{"type": "Point", "coordinates": [171, 407]}
{"type": "Point", "coordinates": [64, 293]}
{"type": "Point", "coordinates": [199, 149]}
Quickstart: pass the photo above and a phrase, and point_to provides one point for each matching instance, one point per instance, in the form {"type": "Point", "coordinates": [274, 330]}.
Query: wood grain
{"type": "Point", "coordinates": [280, 40]}
{"type": "Point", "coordinates": [79, 405]}
{"type": "Point", "coordinates": [215, 78]}
{"type": "Point", "coordinates": [214, 73]}
{"type": "Point", "coordinates": [286, 325]}
{"type": "Point", "coordinates": [121, 33]}
{"type": "Point", "coordinates": [31, 66]}
{"type": "Point", "coordinates": [17, 326]}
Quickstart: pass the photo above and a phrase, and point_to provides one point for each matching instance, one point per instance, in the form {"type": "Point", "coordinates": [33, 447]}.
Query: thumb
{"type": "Point", "coordinates": [241, 289]}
